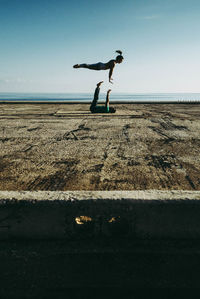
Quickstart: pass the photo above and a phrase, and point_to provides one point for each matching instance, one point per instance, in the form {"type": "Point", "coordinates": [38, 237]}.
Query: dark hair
{"type": "Point", "coordinates": [119, 57]}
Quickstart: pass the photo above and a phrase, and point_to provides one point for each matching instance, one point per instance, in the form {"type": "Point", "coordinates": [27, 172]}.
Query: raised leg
{"type": "Point", "coordinates": [96, 96]}
{"type": "Point", "coordinates": [95, 66]}
{"type": "Point", "coordinates": [83, 65]}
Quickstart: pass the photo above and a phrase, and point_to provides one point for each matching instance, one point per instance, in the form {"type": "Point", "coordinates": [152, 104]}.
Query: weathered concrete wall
{"type": "Point", "coordinates": [97, 244]}
{"type": "Point", "coordinates": [68, 215]}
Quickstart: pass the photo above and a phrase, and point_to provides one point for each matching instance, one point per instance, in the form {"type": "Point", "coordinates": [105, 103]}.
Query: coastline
{"type": "Point", "coordinates": [100, 102]}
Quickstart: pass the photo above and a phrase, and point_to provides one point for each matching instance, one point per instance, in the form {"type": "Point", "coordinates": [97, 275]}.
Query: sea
{"type": "Point", "coordinates": [87, 97]}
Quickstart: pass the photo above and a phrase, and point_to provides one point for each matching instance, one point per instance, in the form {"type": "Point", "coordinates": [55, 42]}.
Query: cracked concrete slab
{"type": "Point", "coordinates": [60, 147]}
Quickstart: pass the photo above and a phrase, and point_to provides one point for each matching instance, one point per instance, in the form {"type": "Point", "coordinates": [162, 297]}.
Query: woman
{"type": "Point", "coordinates": [103, 66]}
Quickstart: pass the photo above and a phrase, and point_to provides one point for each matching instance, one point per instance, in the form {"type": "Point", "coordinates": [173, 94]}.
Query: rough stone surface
{"type": "Point", "coordinates": [64, 147]}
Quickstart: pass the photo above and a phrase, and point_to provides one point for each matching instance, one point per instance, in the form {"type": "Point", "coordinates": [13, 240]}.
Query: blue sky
{"type": "Point", "coordinates": [42, 39]}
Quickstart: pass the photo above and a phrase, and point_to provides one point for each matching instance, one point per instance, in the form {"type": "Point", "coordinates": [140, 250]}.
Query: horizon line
{"type": "Point", "coordinates": [87, 92]}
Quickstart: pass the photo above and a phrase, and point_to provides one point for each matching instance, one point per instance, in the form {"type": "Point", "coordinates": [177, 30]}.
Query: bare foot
{"type": "Point", "coordinates": [98, 84]}
{"type": "Point", "coordinates": [109, 90]}
{"type": "Point", "coordinates": [76, 66]}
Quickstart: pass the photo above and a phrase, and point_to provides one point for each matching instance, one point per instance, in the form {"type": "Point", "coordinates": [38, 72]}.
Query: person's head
{"type": "Point", "coordinates": [119, 58]}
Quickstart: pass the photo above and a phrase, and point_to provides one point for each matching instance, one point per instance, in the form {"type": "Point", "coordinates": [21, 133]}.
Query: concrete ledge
{"type": "Point", "coordinates": [83, 244]}
{"type": "Point", "coordinates": [149, 214]}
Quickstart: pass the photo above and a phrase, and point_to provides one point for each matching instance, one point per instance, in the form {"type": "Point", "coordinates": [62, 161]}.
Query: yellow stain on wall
{"type": "Point", "coordinates": [83, 219]}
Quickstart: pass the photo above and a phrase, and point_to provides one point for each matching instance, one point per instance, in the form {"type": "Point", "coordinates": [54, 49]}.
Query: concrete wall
{"type": "Point", "coordinates": [98, 244]}
{"type": "Point", "coordinates": [128, 214]}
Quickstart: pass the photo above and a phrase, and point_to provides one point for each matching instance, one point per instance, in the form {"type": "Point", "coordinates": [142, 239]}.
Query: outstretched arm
{"type": "Point", "coordinates": [111, 65]}
{"type": "Point", "coordinates": [107, 98]}
{"type": "Point", "coordinates": [110, 74]}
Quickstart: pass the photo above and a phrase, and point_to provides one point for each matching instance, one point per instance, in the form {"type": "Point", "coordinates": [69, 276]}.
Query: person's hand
{"type": "Point", "coordinates": [110, 80]}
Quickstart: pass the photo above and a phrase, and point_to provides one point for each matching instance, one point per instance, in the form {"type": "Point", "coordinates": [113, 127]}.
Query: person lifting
{"type": "Point", "coordinates": [101, 109]}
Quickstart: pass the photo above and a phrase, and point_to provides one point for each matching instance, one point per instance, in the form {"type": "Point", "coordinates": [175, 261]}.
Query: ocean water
{"type": "Point", "coordinates": [87, 97]}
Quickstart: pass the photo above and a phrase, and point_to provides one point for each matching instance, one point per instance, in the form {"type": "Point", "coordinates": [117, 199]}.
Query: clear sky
{"type": "Point", "coordinates": [40, 41]}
